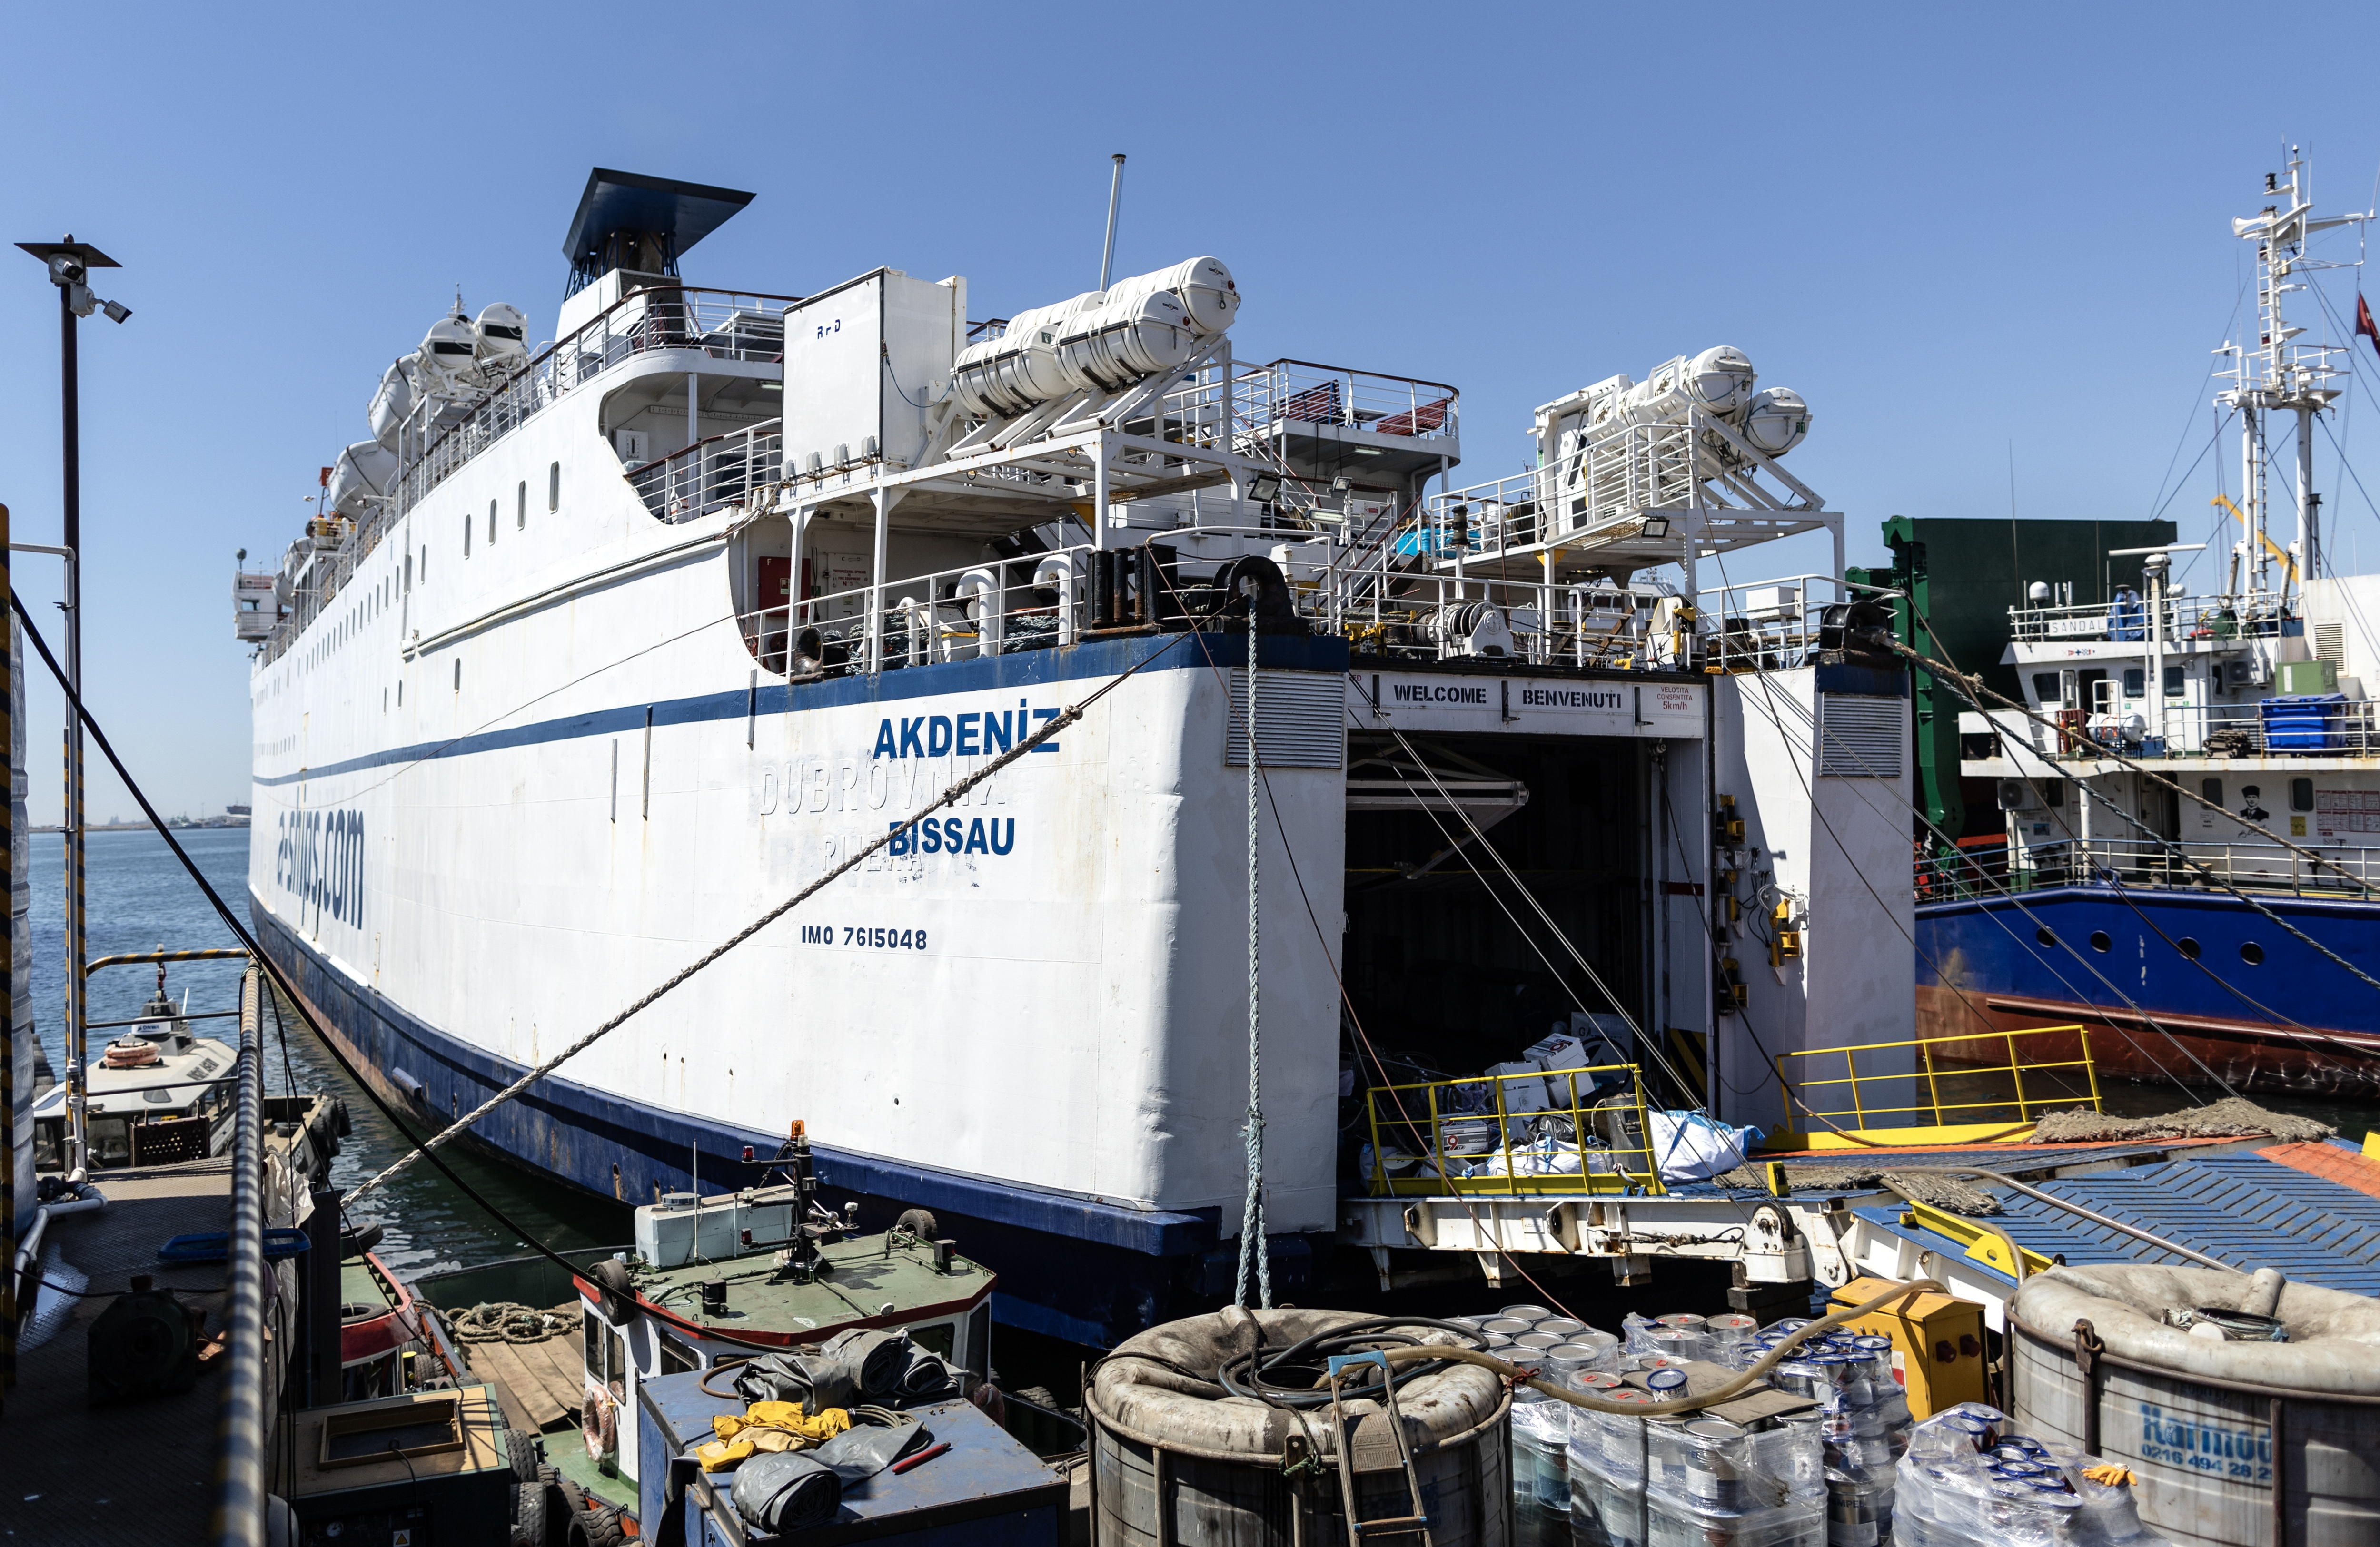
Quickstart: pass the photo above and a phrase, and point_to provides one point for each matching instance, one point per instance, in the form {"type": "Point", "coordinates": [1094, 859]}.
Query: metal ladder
{"type": "Point", "coordinates": [1360, 1532]}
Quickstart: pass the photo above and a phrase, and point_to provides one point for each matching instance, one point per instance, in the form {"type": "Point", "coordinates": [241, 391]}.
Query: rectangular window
{"type": "Point", "coordinates": [677, 1357]}
{"type": "Point", "coordinates": [467, 539]}
{"type": "Point", "coordinates": [458, 673]}
{"type": "Point", "coordinates": [2176, 681]}
{"type": "Point", "coordinates": [2044, 688]}
{"type": "Point", "coordinates": [553, 493]}
{"type": "Point", "coordinates": [2300, 791]}
{"type": "Point", "coordinates": [520, 514]}
{"type": "Point", "coordinates": [409, 576]}
{"type": "Point", "coordinates": [492, 530]}
{"type": "Point", "coordinates": [425, 569]}
{"type": "Point", "coordinates": [2053, 790]}
{"type": "Point", "coordinates": [2209, 790]}
{"type": "Point", "coordinates": [2136, 680]}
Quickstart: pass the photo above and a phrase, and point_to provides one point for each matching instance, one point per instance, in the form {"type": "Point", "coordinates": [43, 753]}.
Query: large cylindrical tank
{"type": "Point", "coordinates": [1176, 1459]}
{"type": "Point", "coordinates": [503, 342]}
{"type": "Point", "coordinates": [1203, 286]}
{"type": "Point", "coordinates": [364, 470]}
{"type": "Point", "coordinates": [1118, 343]}
{"type": "Point", "coordinates": [391, 402]}
{"type": "Point", "coordinates": [2235, 1443]}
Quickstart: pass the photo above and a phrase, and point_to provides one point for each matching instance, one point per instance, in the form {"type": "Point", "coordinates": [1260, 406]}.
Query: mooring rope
{"type": "Point", "coordinates": [1252, 1214]}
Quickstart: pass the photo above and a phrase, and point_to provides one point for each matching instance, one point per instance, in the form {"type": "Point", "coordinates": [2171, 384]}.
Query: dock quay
{"type": "Point", "coordinates": [175, 1301]}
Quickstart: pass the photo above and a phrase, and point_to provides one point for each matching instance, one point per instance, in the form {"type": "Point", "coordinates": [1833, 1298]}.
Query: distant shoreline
{"type": "Point", "coordinates": [148, 826]}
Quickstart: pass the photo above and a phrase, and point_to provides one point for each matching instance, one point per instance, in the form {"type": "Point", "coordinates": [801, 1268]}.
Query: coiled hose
{"type": "Point", "coordinates": [1440, 1354]}
{"type": "Point", "coordinates": [1269, 1376]}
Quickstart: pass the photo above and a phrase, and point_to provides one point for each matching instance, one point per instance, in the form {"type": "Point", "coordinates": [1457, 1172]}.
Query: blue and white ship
{"type": "Point", "coordinates": [600, 649]}
{"type": "Point", "coordinates": [2225, 931]}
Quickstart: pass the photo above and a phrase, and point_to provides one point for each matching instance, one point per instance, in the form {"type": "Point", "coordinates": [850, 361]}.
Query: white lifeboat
{"type": "Point", "coordinates": [448, 350]}
{"type": "Point", "coordinates": [364, 471]}
{"type": "Point", "coordinates": [503, 341]}
{"type": "Point", "coordinates": [393, 401]}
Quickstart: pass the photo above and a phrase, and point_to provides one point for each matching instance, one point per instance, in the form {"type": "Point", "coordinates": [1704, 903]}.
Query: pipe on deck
{"type": "Point", "coordinates": [240, 1433]}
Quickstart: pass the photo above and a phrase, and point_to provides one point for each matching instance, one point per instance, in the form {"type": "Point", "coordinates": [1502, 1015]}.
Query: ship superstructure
{"type": "Point", "coordinates": [603, 648]}
{"type": "Point", "coordinates": [2192, 802]}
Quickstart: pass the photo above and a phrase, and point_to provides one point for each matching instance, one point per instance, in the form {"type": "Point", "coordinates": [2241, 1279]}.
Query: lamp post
{"type": "Point", "coordinates": [69, 263]}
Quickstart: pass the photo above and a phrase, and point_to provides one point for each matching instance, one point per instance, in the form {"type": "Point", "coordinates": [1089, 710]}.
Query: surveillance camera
{"type": "Point", "coordinates": [80, 300]}
{"type": "Point", "coordinates": [117, 310]}
{"type": "Point", "coordinates": [65, 269]}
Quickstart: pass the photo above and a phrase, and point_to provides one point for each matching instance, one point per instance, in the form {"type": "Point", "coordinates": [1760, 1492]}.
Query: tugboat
{"type": "Point", "coordinates": [159, 1094]}
{"type": "Point", "coordinates": [710, 1283]}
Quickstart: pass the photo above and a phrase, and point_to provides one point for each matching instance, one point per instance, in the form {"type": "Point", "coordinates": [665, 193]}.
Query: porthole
{"type": "Point", "coordinates": [2253, 954]}
{"type": "Point", "coordinates": [2099, 940]}
{"type": "Point", "coordinates": [2187, 947]}
{"type": "Point", "coordinates": [2044, 936]}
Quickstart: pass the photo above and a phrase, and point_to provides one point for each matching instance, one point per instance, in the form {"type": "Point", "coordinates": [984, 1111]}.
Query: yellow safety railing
{"type": "Point", "coordinates": [1917, 1069]}
{"type": "Point", "coordinates": [1550, 1132]}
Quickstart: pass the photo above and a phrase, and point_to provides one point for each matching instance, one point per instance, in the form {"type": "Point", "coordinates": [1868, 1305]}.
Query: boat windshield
{"type": "Point", "coordinates": [111, 1140]}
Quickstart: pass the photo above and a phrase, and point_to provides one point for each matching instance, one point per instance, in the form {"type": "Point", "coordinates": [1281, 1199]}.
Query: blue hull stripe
{"type": "Point", "coordinates": [589, 1137]}
{"type": "Point", "coordinates": [1990, 948]}
{"type": "Point", "coordinates": [1099, 658]}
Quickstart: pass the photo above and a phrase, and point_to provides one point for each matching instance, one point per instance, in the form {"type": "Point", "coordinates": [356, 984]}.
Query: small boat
{"type": "Point", "coordinates": [709, 1283]}
{"type": "Point", "coordinates": [159, 1095]}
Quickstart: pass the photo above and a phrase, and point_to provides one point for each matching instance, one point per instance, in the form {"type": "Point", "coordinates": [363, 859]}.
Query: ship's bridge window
{"type": "Point", "coordinates": [2177, 681]}
{"type": "Point", "coordinates": [2044, 688]}
{"type": "Point", "coordinates": [2136, 681]}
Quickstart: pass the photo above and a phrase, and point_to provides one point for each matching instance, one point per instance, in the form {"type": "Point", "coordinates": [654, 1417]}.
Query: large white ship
{"type": "Point", "coordinates": [599, 649]}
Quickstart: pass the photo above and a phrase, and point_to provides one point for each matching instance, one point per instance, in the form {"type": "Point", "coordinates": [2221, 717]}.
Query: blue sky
{"type": "Point", "coordinates": [1968, 236]}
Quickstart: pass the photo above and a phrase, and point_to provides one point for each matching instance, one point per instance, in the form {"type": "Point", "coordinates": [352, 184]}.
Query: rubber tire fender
{"type": "Point", "coordinates": [529, 1519]}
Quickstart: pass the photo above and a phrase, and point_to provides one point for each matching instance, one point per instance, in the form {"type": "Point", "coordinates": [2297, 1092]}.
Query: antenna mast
{"type": "Point", "coordinates": [2276, 374]}
{"type": "Point", "coordinates": [1115, 196]}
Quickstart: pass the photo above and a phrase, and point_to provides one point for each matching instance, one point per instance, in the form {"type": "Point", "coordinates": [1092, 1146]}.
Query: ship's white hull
{"type": "Point", "coordinates": [1040, 1016]}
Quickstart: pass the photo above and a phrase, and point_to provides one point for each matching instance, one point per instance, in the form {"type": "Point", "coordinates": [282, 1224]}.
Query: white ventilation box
{"type": "Point", "coordinates": [681, 1228]}
{"type": "Point", "coordinates": [867, 366]}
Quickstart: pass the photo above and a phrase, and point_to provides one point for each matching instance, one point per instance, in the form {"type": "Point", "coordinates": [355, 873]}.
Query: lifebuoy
{"type": "Point", "coordinates": [131, 1052]}
{"type": "Point", "coordinates": [598, 1425]}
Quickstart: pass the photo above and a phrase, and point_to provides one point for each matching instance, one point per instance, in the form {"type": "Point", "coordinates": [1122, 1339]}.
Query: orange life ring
{"type": "Point", "coordinates": [131, 1052]}
{"type": "Point", "coordinates": [598, 1425]}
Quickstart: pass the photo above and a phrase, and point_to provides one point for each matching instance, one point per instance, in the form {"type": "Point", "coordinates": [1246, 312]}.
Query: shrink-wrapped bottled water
{"type": "Point", "coordinates": [1965, 1480]}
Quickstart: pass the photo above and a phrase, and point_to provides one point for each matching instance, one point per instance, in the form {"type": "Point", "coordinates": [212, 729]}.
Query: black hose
{"type": "Point", "coordinates": [1255, 1372]}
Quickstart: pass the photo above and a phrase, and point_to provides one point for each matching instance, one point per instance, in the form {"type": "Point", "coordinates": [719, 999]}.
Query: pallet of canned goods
{"type": "Point", "coordinates": [1560, 1349]}
{"type": "Point", "coordinates": [1863, 1421]}
{"type": "Point", "coordinates": [1968, 1480]}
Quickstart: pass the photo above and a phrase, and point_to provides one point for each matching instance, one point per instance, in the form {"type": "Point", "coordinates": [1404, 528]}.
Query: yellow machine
{"type": "Point", "coordinates": [1938, 1343]}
